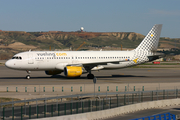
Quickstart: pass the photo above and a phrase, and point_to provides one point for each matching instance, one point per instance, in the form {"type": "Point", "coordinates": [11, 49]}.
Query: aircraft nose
{"type": "Point", "coordinates": [9, 64]}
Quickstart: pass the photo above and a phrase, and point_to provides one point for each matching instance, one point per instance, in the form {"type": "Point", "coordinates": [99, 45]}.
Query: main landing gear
{"type": "Point", "coordinates": [28, 76]}
{"type": "Point", "coordinates": [90, 76]}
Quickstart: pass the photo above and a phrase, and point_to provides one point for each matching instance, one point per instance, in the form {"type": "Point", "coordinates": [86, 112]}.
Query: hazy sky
{"type": "Point", "coordinates": [94, 15]}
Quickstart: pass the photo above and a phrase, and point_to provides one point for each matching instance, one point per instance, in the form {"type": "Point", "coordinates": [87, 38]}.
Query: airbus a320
{"type": "Point", "coordinates": [75, 63]}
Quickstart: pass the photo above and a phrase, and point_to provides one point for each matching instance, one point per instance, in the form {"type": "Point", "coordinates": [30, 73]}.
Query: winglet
{"type": "Point", "coordinates": [135, 60]}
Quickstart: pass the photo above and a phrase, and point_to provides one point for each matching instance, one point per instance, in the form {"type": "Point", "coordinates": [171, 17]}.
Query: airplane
{"type": "Point", "coordinates": [76, 63]}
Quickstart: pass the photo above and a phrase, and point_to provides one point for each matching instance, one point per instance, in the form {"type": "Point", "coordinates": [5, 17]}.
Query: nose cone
{"type": "Point", "coordinates": [9, 64]}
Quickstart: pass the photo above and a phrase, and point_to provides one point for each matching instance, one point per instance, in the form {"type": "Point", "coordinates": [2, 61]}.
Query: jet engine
{"type": "Point", "coordinates": [73, 71]}
{"type": "Point", "coordinates": [53, 72]}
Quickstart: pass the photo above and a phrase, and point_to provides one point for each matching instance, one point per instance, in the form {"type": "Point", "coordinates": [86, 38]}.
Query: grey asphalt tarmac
{"type": "Point", "coordinates": [150, 78]}
{"type": "Point", "coordinates": [127, 75]}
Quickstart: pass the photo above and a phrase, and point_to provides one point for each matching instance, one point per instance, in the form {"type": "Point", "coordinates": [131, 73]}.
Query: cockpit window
{"type": "Point", "coordinates": [17, 57]}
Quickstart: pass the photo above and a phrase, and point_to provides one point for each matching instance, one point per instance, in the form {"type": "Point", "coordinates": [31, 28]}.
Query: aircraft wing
{"type": "Point", "coordinates": [104, 63]}
{"type": "Point", "coordinates": [93, 64]}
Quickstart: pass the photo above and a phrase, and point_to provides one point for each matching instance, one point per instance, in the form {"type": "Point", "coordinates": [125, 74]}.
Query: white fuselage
{"type": "Point", "coordinates": [57, 60]}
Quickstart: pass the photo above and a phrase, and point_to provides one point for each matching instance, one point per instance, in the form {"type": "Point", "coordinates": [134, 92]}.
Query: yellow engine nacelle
{"type": "Point", "coordinates": [73, 71]}
{"type": "Point", "coordinates": [53, 72]}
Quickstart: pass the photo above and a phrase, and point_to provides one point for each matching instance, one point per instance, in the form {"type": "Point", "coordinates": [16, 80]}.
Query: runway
{"type": "Point", "coordinates": [127, 75]}
{"type": "Point", "coordinates": [124, 79]}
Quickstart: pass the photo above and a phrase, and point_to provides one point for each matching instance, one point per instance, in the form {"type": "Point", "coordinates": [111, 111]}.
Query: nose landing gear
{"type": "Point", "coordinates": [28, 76]}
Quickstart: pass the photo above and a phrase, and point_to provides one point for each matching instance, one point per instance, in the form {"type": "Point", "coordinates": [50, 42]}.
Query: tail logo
{"type": "Point", "coordinates": [135, 60]}
{"type": "Point", "coordinates": [150, 42]}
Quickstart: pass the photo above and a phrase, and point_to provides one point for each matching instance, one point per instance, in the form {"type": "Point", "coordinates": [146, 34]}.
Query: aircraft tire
{"type": "Point", "coordinates": [28, 77]}
{"type": "Point", "coordinates": [90, 76]}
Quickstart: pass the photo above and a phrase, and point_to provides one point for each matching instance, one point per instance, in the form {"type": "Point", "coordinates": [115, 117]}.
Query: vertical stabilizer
{"type": "Point", "coordinates": [150, 42]}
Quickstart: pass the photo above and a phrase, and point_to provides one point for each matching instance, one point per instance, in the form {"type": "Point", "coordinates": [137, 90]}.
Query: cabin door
{"type": "Point", "coordinates": [30, 58]}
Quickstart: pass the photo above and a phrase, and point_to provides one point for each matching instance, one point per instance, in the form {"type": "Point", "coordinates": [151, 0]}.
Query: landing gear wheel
{"type": "Point", "coordinates": [90, 76]}
{"type": "Point", "coordinates": [28, 77]}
